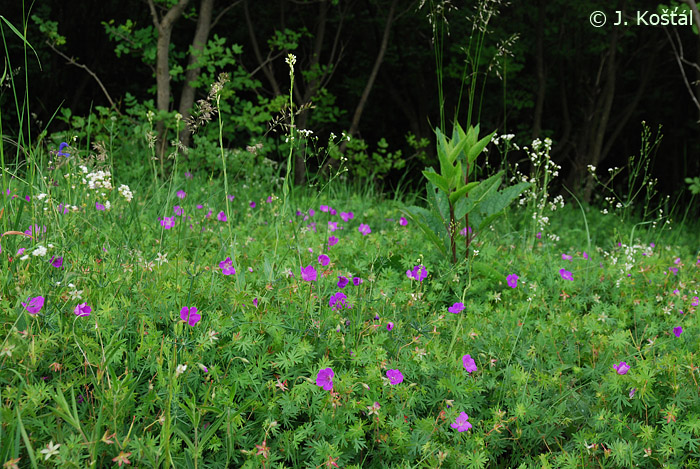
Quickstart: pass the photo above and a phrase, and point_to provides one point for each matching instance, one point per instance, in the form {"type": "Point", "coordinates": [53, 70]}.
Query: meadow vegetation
{"type": "Point", "coordinates": [201, 311]}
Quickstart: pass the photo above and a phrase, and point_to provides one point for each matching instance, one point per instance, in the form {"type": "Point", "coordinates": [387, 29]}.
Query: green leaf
{"type": "Point", "coordinates": [478, 147]}
{"type": "Point", "coordinates": [457, 149]}
{"type": "Point", "coordinates": [479, 194]}
{"type": "Point", "coordinates": [462, 191]}
{"type": "Point", "coordinates": [429, 225]}
{"type": "Point", "coordinates": [439, 181]}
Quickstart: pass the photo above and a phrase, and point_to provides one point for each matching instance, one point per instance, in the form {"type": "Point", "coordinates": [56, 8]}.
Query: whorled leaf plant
{"type": "Point", "coordinates": [453, 196]}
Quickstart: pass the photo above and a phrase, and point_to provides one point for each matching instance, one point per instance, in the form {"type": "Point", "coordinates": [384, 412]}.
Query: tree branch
{"type": "Point", "coordinates": [71, 61]}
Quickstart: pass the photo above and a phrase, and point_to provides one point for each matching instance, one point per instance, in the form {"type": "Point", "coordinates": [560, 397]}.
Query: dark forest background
{"type": "Point", "coordinates": [368, 67]}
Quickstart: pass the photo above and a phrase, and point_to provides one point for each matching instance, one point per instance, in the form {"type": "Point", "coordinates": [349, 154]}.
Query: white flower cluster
{"type": "Point", "coordinates": [125, 192]}
{"type": "Point", "coordinates": [505, 140]}
{"type": "Point", "coordinates": [97, 179]}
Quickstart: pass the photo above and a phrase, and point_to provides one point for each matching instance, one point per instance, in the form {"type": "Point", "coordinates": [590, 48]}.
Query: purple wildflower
{"type": "Point", "coordinates": [622, 368]}
{"type": "Point", "coordinates": [390, 326]}
{"type": "Point", "coordinates": [468, 363]}
{"type": "Point", "coordinates": [56, 262]}
{"type": "Point", "coordinates": [566, 275]}
{"type": "Point", "coordinates": [512, 280]}
{"type": "Point", "coordinates": [324, 379]}
{"type": "Point", "coordinates": [342, 281]}
{"type": "Point", "coordinates": [323, 260]}
{"type": "Point", "coordinates": [418, 273]}
{"type": "Point", "coordinates": [181, 194]}
{"type": "Point", "coordinates": [222, 216]}
{"type": "Point", "coordinates": [34, 305]}
{"type": "Point", "coordinates": [189, 315]}
{"type": "Point", "coordinates": [62, 147]}
{"type": "Point", "coordinates": [461, 423]}
{"type": "Point", "coordinates": [167, 222]}
{"type": "Point", "coordinates": [332, 241]}
{"type": "Point", "coordinates": [347, 216]}
{"type": "Point", "coordinates": [395, 376]}
{"type": "Point", "coordinates": [227, 266]}
{"type": "Point", "coordinates": [364, 229]}
{"type": "Point", "coordinates": [456, 308]}
{"type": "Point", "coordinates": [308, 273]}
{"type": "Point", "coordinates": [82, 310]}
{"type": "Point", "coordinates": [678, 331]}
{"type": "Point", "coordinates": [337, 301]}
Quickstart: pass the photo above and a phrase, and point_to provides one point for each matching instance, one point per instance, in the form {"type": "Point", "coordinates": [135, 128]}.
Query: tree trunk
{"type": "Point", "coordinates": [357, 115]}
{"type": "Point", "coordinates": [602, 125]}
{"type": "Point", "coordinates": [164, 26]}
{"type": "Point", "coordinates": [264, 65]}
{"type": "Point", "coordinates": [201, 35]}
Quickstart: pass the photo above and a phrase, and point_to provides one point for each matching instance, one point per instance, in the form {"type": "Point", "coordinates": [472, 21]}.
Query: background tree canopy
{"type": "Point", "coordinates": [368, 67]}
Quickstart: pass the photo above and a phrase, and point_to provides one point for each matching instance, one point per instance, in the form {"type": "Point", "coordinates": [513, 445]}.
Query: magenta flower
{"type": "Point", "coordinates": [678, 331]}
{"type": "Point", "coordinates": [538, 235]}
{"type": "Point", "coordinates": [34, 305]}
{"type": "Point", "coordinates": [255, 302]}
{"type": "Point", "coordinates": [632, 391]}
{"type": "Point", "coordinates": [342, 281]}
{"type": "Point", "coordinates": [178, 210]}
{"type": "Point", "coordinates": [696, 301]}
{"type": "Point", "coordinates": [56, 262]}
{"type": "Point", "coordinates": [418, 273]}
{"type": "Point", "coordinates": [332, 226]}
{"type": "Point", "coordinates": [99, 206]}
{"type": "Point", "coordinates": [252, 205]}
{"type": "Point", "coordinates": [364, 229]}
{"type": "Point", "coordinates": [323, 260]}
{"type": "Point", "coordinates": [389, 326]}
{"type": "Point", "coordinates": [677, 261]}
{"type": "Point", "coordinates": [230, 197]}
{"type": "Point", "coordinates": [324, 379]}
{"type": "Point", "coordinates": [585, 255]}
{"type": "Point", "coordinates": [221, 216]}
{"type": "Point", "coordinates": [674, 270]}
{"type": "Point", "coordinates": [461, 423]}
{"type": "Point", "coordinates": [181, 194]}
{"type": "Point", "coordinates": [82, 310]}
{"type": "Point", "coordinates": [456, 308]}
{"type": "Point", "coordinates": [395, 376]}
{"type": "Point", "coordinates": [512, 280]}
{"type": "Point", "coordinates": [622, 368]}
{"type": "Point", "coordinates": [566, 257]}
{"type": "Point", "coordinates": [189, 315]}
{"type": "Point", "coordinates": [308, 273]}
{"type": "Point", "coordinates": [468, 363]}
{"type": "Point", "coordinates": [356, 281]}
{"type": "Point", "coordinates": [227, 266]}
{"type": "Point", "coordinates": [347, 216]}
{"type": "Point", "coordinates": [323, 208]}
{"type": "Point", "coordinates": [566, 275]}
{"type": "Point", "coordinates": [332, 241]}
{"type": "Point", "coordinates": [188, 175]}
{"type": "Point", "coordinates": [167, 222]}
{"type": "Point", "coordinates": [403, 221]}
{"type": "Point", "coordinates": [337, 301]}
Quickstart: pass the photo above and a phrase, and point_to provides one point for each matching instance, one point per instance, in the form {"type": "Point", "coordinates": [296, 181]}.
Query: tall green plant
{"type": "Point", "coordinates": [453, 197]}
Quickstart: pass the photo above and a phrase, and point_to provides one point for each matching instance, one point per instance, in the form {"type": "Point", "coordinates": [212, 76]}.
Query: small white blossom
{"type": "Point", "coordinates": [180, 369]}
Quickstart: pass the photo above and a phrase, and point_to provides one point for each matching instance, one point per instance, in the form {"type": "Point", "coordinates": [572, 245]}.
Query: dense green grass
{"type": "Point", "coordinates": [238, 387]}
